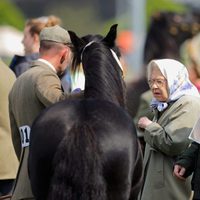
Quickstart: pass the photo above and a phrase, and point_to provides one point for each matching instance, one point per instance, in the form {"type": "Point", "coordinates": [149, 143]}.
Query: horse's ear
{"type": "Point", "coordinates": [111, 36]}
{"type": "Point", "coordinates": [76, 41]}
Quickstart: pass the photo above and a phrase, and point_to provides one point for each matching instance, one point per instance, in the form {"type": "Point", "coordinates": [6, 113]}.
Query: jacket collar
{"type": "Point", "coordinates": [44, 63]}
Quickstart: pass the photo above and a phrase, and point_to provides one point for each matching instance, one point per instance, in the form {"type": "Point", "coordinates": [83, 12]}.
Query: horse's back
{"type": "Point", "coordinates": [112, 132]}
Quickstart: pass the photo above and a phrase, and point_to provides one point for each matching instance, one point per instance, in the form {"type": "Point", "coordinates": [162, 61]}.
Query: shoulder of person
{"type": "Point", "coordinates": [42, 68]}
{"type": "Point", "coordinates": [189, 99]}
{"type": "Point", "coordinates": [186, 102]}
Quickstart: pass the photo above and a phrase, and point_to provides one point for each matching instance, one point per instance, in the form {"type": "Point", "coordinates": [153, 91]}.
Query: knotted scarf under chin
{"type": "Point", "coordinates": [160, 106]}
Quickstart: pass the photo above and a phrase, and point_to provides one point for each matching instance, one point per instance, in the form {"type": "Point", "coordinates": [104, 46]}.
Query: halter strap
{"type": "Point", "coordinates": [85, 48]}
{"type": "Point", "coordinates": [113, 53]}
{"type": "Point", "coordinates": [117, 59]}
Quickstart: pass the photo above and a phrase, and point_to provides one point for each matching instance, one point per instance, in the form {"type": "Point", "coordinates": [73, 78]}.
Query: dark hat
{"type": "Point", "coordinates": [55, 34]}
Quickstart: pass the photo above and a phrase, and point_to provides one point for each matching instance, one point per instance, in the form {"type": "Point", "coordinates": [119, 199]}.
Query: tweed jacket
{"type": "Point", "coordinates": [166, 138]}
{"type": "Point", "coordinates": [36, 89]}
{"type": "Point", "coordinates": [8, 159]}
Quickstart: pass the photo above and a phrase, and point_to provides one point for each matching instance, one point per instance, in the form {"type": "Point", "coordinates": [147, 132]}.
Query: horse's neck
{"type": "Point", "coordinates": [105, 95]}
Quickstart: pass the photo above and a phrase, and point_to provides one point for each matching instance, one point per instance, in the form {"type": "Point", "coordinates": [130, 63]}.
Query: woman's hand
{"type": "Point", "coordinates": [179, 172]}
{"type": "Point", "coordinates": [144, 122]}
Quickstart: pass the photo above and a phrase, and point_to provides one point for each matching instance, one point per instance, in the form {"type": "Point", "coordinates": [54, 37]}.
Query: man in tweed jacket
{"type": "Point", "coordinates": [33, 91]}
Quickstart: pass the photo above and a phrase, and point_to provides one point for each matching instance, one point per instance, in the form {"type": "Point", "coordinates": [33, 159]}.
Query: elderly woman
{"type": "Point", "coordinates": [176, 106]}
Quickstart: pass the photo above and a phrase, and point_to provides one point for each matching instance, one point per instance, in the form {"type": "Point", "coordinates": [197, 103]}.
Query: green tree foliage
{"type": "Point", "coordinates": [11, 15]}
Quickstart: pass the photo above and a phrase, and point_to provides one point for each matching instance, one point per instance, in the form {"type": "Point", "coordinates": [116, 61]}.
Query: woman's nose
{"type": "Point", "coordinates": [154, 85]}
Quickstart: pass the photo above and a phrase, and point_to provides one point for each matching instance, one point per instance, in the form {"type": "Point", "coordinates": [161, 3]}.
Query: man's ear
{"type": "Point", "coordinates": [62, 59]}
{"type": "Point", "coordinates": [65, 55]}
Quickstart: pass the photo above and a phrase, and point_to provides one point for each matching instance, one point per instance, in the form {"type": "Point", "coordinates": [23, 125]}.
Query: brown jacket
{"type": "Point", "coordinates": [34, 90]}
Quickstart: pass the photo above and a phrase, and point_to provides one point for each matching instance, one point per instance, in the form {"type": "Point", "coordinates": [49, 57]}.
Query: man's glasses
{"type": "Point", "coordinates": [158, 82]}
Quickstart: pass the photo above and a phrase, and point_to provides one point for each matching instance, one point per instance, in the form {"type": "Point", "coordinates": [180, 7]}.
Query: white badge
{"type": "Point", "coordinates": [25, 135]}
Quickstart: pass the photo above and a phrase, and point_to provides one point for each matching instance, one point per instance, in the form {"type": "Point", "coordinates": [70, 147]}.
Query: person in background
{"type": "Point", "coordinates": [189, 162]}
{"type": "Point", "coordinates": [31, 42]}
{"type": "Point", "coordinates": [8, 159]}
{"type": "Point", "coordinates": [190, 57]}
{"type": "Point", "coordinates": [176, 106]}
{"type": "Point", "coordinates": [34, 90]}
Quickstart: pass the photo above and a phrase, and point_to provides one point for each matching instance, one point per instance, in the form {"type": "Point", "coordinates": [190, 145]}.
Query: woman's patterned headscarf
{"type": "Point", "coordinates": [177, 78]}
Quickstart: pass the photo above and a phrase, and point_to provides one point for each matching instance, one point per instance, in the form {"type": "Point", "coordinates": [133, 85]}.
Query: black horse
{"type": "Point", "coordinates": [87, 149]}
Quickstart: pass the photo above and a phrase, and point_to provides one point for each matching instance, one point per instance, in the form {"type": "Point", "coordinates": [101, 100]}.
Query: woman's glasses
{"type": "Point", "coordinates": [159, 82]}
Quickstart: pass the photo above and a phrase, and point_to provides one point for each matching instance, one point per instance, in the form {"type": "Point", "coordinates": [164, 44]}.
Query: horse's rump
{"type": "Point", "coordinates": [96, 148]}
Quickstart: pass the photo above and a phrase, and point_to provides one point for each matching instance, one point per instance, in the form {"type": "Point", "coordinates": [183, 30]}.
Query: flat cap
{"type": "Point", "coordinates": [55, 34]}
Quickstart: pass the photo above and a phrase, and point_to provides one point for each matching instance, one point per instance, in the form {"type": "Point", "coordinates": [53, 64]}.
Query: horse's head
{"type": "Point", "coordinates": [80, 43]}
{"type": "Point", "coordinates": [100, 60]}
